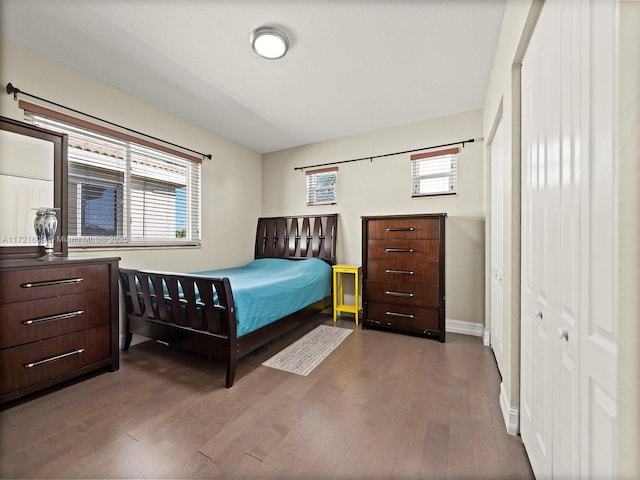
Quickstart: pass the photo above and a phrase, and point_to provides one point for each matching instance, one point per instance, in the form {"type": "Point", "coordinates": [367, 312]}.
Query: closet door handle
{"type": "Point", "coordinates": [563, 334]}
{"type": "Point", "coordinates": [539, 314]}
{"type": "Point", "coordinates": [398, 294]}
{"type": "Point", "coordinates": [399, 250]}
{"type": "Point", "coordinates": [70, 281]}
{"type": "Point", "coordinates": [53, 359]}
{"type": "Point", "coordinates": [62, 316]}
{"type": "Point", "coordinates": [402, 229]}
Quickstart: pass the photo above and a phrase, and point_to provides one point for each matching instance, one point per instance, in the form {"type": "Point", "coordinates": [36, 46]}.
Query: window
{"type": "Point", "coordinates": [434, 173]}
{"type": "Point", "coordinates": [121, 193]}
{"type": "Point", "coordinates": [322, 186]}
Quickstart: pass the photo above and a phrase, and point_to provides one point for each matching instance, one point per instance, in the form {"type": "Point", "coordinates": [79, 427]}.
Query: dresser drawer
{"type": "Point", "coordinates": [404, 228]}
{"type": "Point", "coordinates": [403, 271]}
{"type": "Point", "coordinates": [412, 251]}
{"type": "Point", "coordinates": [32, 284]}
{"type": "Point", "coordinates": [39, 319]}
{"type": "Point", "coordinates": [403, 317]}
{"type": "Point", "coordinates": [402, 293]}
{"type": "Point", "coordinates": [32, 363]}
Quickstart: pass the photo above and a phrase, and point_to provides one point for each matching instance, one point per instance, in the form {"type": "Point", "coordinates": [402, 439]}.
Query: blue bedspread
{"type": "Point", "coordinates": [267, 289]}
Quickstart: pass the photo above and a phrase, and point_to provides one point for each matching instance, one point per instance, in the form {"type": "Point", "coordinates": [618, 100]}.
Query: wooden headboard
{"type": "Point", "coordinates": [297, 238]}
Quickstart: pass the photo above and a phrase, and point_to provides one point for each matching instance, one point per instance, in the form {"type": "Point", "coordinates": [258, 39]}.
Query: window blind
{"type": "Point", "coordinates": [322, 186]}
{"type": "Point", "coordinates": [434, 173]}
{"type": "Point", "coordinates": [121, 193]}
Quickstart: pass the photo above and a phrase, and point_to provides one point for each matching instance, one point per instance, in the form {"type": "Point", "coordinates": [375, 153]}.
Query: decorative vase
{"type": "Point", "coordinates": [46, 224]}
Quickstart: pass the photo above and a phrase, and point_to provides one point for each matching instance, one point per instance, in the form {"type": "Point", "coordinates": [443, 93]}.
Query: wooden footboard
{"type": "Point", "coordinates": [188, 315]}
{"type": "Point", "coordinates": [182, 310]}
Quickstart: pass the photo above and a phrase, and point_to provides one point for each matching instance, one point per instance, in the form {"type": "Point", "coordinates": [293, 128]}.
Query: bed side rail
{"type": "Point", "coordinates": [184, 300]}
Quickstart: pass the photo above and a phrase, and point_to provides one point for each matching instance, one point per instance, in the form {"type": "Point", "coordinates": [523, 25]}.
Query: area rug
{"type": "Point", "coordinates": [306, 354]}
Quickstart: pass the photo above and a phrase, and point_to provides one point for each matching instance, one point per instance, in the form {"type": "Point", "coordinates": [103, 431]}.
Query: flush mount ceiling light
{"type": "Point", "coordinates": [269, 42]}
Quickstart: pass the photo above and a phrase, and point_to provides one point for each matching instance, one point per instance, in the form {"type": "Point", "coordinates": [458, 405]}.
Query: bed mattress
{"type": "Point", "coordinates": [267, 289]}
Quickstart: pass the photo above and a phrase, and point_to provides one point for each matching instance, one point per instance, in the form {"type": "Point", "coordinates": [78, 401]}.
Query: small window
{"type": "Point", "coordinates": [322, 186]}
{"type": "Point", "coordinates": [434, 173]}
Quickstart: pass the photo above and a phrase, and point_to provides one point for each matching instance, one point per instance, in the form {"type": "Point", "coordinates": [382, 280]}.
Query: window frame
{"type": "Point", "coordinates": [124, 207]}
{"type": "Point", "coordinates": [312, 189]}
{"type": "Point", "coordinates": [433, 158]}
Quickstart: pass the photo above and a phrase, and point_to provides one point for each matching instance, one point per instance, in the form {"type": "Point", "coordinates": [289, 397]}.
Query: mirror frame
{"type": "Point", "coordinates": [60, 188]}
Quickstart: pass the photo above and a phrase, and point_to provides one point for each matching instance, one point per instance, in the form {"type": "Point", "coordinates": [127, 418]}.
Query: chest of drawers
{"type": "Point", "coordinates": [403, 273]}
{"type": "Point", "coordinates": [58, 320]}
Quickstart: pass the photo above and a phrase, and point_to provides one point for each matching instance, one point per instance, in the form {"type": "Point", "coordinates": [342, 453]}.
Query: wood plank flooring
{"type": "Point", "coordinates": [382, 405]}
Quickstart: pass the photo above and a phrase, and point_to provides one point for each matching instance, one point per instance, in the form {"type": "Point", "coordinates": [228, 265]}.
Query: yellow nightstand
{"type": "Point", "coordinates": [338, 291]}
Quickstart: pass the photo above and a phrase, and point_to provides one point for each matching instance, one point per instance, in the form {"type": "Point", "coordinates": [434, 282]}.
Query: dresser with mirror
{"type": "Point", "coordinates": [58, 315]}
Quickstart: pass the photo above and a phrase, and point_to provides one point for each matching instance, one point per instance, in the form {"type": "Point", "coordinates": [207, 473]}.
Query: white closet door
{"type": "Point", "coordinates": [538, 220]}
{"type": "Point", "coordinates": [550, 238]}
{"type": "Point", "coordinates": [598, 330]}
{"type": "Point", "coordinates": [566, 431]}
{"type": "Point", "coordinates": [568, 373]}
{"type": "Point", "coordinates": [497, 245]}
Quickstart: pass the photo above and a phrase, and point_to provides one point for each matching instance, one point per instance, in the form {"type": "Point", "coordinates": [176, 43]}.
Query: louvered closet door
{"type": "Point", "coordinates": [568, 402]}
{"type": "Point", "coordinates": [497, 245]}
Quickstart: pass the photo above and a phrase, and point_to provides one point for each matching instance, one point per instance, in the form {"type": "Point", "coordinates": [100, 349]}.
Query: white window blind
{"type": "Point", "coordinates": [434, 173]}
{"type": "Point", "coordinates": [121, 193]}
{"type": "Point", "coordinates": [322, 186]}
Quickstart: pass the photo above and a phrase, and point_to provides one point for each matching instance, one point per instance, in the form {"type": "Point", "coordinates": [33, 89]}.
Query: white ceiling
{"type": "Point", "coordinates": [353, 65]}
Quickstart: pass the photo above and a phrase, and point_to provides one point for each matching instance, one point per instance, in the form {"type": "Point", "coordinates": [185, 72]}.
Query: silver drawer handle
{"type": "Point", "coordinates": [395, 314]}
{"type": "Point", "coordinates": [53, 359]}
{"type": "Point", "coordinates": [379, 323]}
{"type": "Point", "coordinates": [62, 316]}
{"type": "Point", "coordinates": [400, 272]}
{"type": "Point", "coordinates": [398, 294]}
{"type": "Point", "coordinates": [55, 282]}
{"type": "Point", "coordinates": [404, 229]}
{"type": "Point", "coordinates": [399, 250]}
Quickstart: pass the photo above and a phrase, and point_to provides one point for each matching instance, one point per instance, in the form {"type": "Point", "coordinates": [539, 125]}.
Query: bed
{"type": "Point", "coordinates": [228, 313]}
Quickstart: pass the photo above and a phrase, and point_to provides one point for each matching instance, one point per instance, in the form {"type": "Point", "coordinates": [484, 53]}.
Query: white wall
{"type": "Point", "coordinates": [382, 187]}
{"type": "Point", "coordinates": [628, 247]}
{"type": "Point", "coordinates": [231, 182]}
{"type": "Point", "coordinates": [503, 93]}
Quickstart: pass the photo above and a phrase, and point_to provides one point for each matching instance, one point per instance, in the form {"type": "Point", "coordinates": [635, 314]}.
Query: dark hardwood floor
{"type": "Point", "coordinates": [382, 405]}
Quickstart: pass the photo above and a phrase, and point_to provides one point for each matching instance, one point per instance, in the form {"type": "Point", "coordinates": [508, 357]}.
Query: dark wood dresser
{"type": "Point", "coordinates": [403, 273]}
{"type": "Point", "coordinates": [58, 320]}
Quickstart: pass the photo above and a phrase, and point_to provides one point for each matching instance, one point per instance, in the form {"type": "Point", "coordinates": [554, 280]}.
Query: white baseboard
{"type": "Point", "coordinates": [510, 415]}
{"type": "Point", "coordinates": [486, 339]}
{"type": "Point", "coordinates": [464, 327]}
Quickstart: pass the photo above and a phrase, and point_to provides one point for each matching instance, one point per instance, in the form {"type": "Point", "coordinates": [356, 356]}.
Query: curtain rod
{"type": "Point", "coordinates": [15, 91]}
{"type": "Point", "coordinates": [461, 142]}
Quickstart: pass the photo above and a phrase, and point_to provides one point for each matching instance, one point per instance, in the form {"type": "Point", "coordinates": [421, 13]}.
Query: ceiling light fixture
{"type": "Point", "coordinates": [269, 42]}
